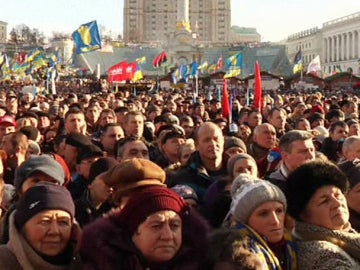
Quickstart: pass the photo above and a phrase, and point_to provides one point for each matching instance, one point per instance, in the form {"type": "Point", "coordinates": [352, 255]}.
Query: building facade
{"type": "Point", "coordinates": [341, 44]}
{"type": "Point", "coordinates": [152, 21]}
{"type": "Point", "coordinates": [337, 43]}
{"type": "Point", "coordinates": [3, 32]}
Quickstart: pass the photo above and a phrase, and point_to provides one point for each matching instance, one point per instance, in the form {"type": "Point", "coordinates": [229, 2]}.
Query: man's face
{"type": "Point", "coordinates": [134, 149]}
{"type": "Point", "coordinates": [6, 129]}
{"type": "Point", "coordinates": [106, 118]}
{"type": "Point", "coordinates": [92, 114]}
{"type": "Point", "coordinates": [353, 152]}
{"type": "Point", "coordinates": [70, 154]}
{"type": "Point", "coordinates": [301, 152]}
{"type": "Point", "coordinates": [135, 126]}
{"type": "Point", "coordinates": [278, 119]}
{"type": "Point", "coordinates": [7, 145]}
{"type": "Point", "coordinates": [254, 119]}
{"type": "Point", "coordinates": [266, 136]}
{"type": "Point", "coordinates": [188, 127]}
{"type": "Point", "coordinates": [171, 146]}
{"type": "Point", "coordinates": [110, 137]}
{"type": "Point", "coordinates": [210, 142]}
{"type": "Point", "coordinates": [339, 133]}
{"type": "Point", "coordinates": [75, 123]}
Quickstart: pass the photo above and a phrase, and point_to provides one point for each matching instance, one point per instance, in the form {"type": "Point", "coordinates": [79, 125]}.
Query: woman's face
{"type": "Point", "coordinates": [245, 165]}
{"type": "Point", "coordinates": [49, 232]}
{"type": "Point", "coordinates": [159, 237]}
{"type": "Point", "coordinates": [327, 208]}
{"type": "Point", "coordinates": [268, 221]}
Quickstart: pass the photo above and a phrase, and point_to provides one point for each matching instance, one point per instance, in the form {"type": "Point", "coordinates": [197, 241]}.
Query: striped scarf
{"type": "Point", "coordinates": [258, 246]}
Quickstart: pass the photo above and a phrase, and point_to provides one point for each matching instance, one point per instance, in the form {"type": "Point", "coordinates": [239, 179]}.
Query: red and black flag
{"type": "Point", "coordinates": [159, 59]}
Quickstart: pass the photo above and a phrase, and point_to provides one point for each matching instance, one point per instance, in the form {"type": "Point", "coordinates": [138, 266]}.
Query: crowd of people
{"type": "Point", "coordinates": [161, 180]}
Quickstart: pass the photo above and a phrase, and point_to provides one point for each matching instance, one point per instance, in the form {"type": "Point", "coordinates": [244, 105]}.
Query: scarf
{"type": "Point", "coordinates": [258, 246]}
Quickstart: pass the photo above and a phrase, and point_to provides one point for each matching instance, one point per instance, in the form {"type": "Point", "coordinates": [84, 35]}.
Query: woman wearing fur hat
{"type": "Point", "coordinates": [154, 230]}
{"type": "Point", "coordinates": [316, 200]}
{"type": "Point", "coordinates": [42, 230]}
{"type": "Point", "coordinates": [258, 213]}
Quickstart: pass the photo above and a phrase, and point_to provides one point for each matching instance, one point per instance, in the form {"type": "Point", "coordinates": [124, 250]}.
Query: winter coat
{"type": "Point", "coordinates": [85, 211]}
{"type": "Point", "coordinates": [322, 249]}
{"type": "Point", "coordinates": [108, 246]}
{"type": "Point", "coordinates": [17, 254]}
{"type": "Point", "coordinates": [196, 176]}
{"type": "Point", "coordinates": [231, 249]}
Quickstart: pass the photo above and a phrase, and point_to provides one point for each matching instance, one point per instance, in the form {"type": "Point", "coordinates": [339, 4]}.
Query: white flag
{"type": "Point", "coordinates": [314, 65]}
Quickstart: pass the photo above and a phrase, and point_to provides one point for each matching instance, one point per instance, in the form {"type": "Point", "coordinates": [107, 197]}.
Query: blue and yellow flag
{"type": "Point", "coordinates": [234, 65]}
{"type": "Point", "coordinates": [138, 73]}
{"type": "Point", "coordinates": [297, 62]}
{"type": "Point", "coordinates": [87, 38]}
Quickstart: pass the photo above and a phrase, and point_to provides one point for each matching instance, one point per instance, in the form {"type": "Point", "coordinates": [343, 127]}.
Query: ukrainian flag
{"type": "Point", "coordinates": [31, 55]}
{"type": "Point", "coordinates": [234, 65]}
{"type": "Point", "coordinates": [138, 73]}
{"type": "Point", "coordinates": [87, 37]}
{"type": "Point", "coordinates": [203, 66]}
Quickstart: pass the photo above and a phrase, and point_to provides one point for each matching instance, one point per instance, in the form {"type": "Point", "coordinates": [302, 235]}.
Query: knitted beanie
{"type": "Point", "coordinates": [43, 196]}
{"type": "Point", "coordinates": [231, 162]}
{"type": "Point", "coordinates": [249, 192]}
{"type": "Point", "coordinates": [147, 202]}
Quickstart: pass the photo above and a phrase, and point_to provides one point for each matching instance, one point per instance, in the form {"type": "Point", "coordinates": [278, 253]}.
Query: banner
{"type": "Point", "coordinates": [87, 38]}
{"type": "Point", "coordinates": [117, 73]}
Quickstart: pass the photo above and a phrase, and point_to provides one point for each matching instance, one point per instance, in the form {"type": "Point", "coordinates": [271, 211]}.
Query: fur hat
{"type": "Point", "coordinates": [147, 202]}
{"type": "Point", "coordinates": [134, 173]}
{"type": "Point", "coordinates": [307, 179]}
{"type": "Point", "coordinates": [249, 192]}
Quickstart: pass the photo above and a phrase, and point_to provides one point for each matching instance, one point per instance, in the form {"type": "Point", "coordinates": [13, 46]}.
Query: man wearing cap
{"type": "Point", "coordinates": [86, 156]}
{"type": "Point", "coordinates": [7, 125]}
{"type": "Point", "coordinates": [170, 142]}
{"type": "Point", "coordinates": [73, 143]}
{"type": "Point", "coordinates": [12, 104]}
{"type": "Point", "coordinates": [234, 146]}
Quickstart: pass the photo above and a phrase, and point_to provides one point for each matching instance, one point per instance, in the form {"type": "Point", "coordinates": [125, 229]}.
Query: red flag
{"type": "Point", "coordinates": [225, 101]}
{"type": "Point", "coordinates": [158, 60]}
{"type": "Point", "coordinates": [130, 71]}
{"type": "Point", "coordinates": [219, 64]}
{"type": "Point", "coordinates": [258, 88]}
{"type": "Point", "coordinates": [117, 73]}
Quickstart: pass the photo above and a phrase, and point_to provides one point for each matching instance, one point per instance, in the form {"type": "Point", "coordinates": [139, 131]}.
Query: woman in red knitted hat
{"type": "Point", "coordinates": [155, 230]}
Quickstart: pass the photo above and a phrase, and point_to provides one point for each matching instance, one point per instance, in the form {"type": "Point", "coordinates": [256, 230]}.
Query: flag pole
{"type": "Point", "coordinates": [196, 86]}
